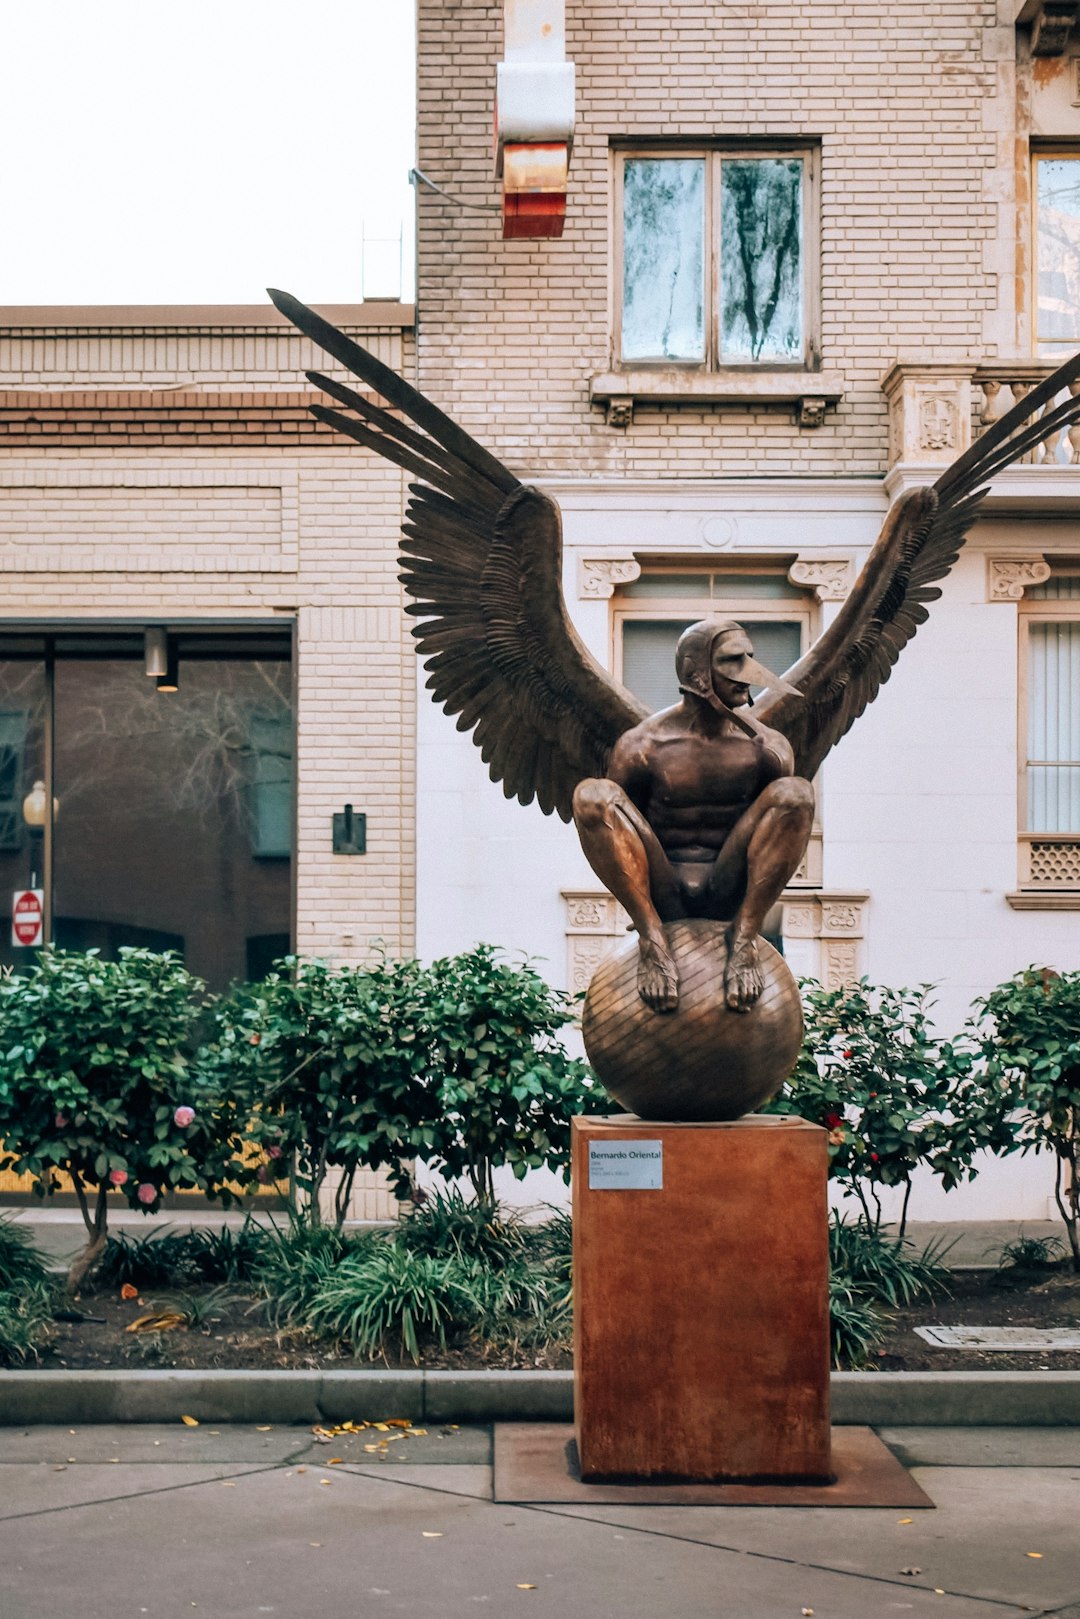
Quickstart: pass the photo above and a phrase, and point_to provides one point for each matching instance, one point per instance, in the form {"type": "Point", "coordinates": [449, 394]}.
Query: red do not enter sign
{"type": "Point", "coordinates": [28, 917]}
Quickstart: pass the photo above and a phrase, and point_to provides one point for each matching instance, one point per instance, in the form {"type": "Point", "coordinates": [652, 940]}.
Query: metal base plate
{"type": "Point", "coordinates": [537, 1461]}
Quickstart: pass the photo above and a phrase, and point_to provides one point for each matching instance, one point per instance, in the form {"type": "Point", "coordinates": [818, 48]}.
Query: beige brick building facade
{"type": "Point", "coordinates": [938, 283]}
{"type": "Point", "coordinates": [159, 466]}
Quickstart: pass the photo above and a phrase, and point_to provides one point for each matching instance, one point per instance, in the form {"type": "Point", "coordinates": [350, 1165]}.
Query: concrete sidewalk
{"type": "Point", "coordinates": [234, 1522]}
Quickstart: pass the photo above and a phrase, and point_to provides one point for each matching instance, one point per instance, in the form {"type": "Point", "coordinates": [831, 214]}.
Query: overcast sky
{"type": "Point", "coordinates": [198, 152]}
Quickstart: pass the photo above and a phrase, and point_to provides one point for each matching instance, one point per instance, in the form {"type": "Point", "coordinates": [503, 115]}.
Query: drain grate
{"type": "Point", "coordinates": [1016, 1339]}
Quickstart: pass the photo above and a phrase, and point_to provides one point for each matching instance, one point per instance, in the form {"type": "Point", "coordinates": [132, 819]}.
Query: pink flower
{"type": "Point", "coordinates": [147, 1193]}
{"type": "Point", "coordinates": [61, 1122]}
{"type": "Point", "coordinates": [118, 1176]}
{"type": "Point", "coordinates": [273, 1152]}
{"type": "Point", "coordinates": [184, 1116]}
{"type": "Point", "coordinates": [262, 1174]}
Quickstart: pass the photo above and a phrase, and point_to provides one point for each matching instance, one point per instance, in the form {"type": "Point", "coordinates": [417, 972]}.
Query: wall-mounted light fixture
{"type": "Point", "coordinates": [350, 832]}
{"type": "Point", "coordinates": [155, 652]}
{"type": "Point", "coordinates": [170, 680]}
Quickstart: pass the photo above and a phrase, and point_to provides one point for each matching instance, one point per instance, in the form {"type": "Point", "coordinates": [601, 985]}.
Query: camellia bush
{"type": "Point", "coordinates": [97, 1084]}
{"type": "Point", "coordinates": [330, 1060]}
{"type": "Point", "coordinates": [890, 1093]}
{"type": "Point", "coordinates": [1027, 1033]}
{"type": "Point", "coordinates": [502, 1086]}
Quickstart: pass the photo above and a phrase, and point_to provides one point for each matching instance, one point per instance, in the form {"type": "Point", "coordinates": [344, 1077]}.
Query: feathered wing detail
{"type": "Point", "coordinates": [482, 561]}
{"type": "Point", "coordinates": [921, 539]}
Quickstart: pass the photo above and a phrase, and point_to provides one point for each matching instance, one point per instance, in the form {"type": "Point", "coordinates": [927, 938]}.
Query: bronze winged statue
{"type": "Point", "coordinates": [702, 810]}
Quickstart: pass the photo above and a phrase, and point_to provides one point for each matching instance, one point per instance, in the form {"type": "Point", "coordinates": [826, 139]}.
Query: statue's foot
{"type": "Point", "coordinates": [743, 982]}
{"type": "Point", "coordinates": [658, 977]}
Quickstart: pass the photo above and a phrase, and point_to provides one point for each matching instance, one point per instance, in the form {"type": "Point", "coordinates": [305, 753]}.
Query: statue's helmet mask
{"type": "Point", "coordinates": [694, 663]}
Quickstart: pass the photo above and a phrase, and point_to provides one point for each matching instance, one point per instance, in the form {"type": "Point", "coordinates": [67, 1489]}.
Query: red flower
{"type": "Point", "coordinates": [834, 1120]}
{"type": "Point", "coordinates": [847, 1055]}
{"type": "Point", "coordinates": [874, 1159]}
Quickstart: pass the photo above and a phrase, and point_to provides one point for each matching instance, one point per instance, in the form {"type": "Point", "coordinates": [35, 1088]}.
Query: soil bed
{"type": "Point", "coordinates": [234, 1333]}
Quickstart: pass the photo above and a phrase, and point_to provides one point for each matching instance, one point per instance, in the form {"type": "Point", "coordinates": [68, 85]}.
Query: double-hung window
{"type": "Point", "coordinates": [1050, 732]}
{"type": "Point", "coordinates": [715, 258]}
{"type": "Point", "coordinates": [1057, 245]}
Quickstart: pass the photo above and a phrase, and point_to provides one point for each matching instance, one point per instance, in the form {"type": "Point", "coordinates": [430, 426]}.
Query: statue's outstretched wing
{"type": "Point", "coordinates": [921, 539]}
{"type": "Point", "coordinates": [482, 560]}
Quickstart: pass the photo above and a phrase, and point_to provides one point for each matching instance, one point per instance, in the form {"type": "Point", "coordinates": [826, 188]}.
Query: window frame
{"type": "Point", "coordinates": [713, 154]}
{"type": "Point", "coordinates": [1038, 611]}
{"type": "Point", "coordinates": [1058, 348]}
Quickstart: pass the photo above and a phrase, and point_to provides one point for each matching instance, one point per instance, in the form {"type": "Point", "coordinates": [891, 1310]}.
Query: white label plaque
{"type": "Point", "coordinates": [626, 1166]}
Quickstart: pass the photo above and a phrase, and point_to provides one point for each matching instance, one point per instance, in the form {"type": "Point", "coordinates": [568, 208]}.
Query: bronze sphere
{"type": "Point", "coordinates": [702, 1062]}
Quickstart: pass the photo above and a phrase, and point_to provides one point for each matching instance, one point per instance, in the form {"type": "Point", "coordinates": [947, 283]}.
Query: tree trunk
{"type": "Point", "coordinates": [97, 1234]}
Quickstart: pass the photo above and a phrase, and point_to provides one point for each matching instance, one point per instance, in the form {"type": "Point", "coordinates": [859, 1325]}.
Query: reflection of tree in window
{"type": "Point", "coordinates": [12, 788]}
{"type": "Point", "coordinates": [761, 278]}
{"type": "Point", "coordinates": [663, 259]}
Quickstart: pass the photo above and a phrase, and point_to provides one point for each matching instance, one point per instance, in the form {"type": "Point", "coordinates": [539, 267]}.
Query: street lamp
{"type": "Point", "coordinates": [35, 809]}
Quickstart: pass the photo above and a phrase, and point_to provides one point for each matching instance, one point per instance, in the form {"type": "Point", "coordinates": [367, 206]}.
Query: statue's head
{"type": "Point", "coordinates": [714, 660]}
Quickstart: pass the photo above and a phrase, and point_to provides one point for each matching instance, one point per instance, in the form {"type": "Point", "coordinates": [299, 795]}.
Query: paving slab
{"type": "Point", "coordinates": [984, 1447]}
{"type": "Point", "coordinates": [49, 1486]}
{"type": "Point", "coordinates": [281, 1542]}
{"type": "Point", "coordinates": [157, 1442]}
{"type": "Point", "coordinates": [455, 1479]}
{"type": "Point", "coordinates": [977, 1543]}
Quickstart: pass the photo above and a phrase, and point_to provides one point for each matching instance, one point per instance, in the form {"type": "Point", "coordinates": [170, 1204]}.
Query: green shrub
{"type": "Point", "coordinates": [295, 1263]}
{"type": "Point", "coordinates": [386, 1294]}
{"type": "Point", "coordinates": [331, 1061]}
{"type": "Point", "coordinates": [869, 1274]}
{"type": "Point", "coordinates": [447, 1223]}
{"type": "Point", "coordinates": [503, 1087]}
{"type": "Point", "coordinates": [26, 1321]}
{"type": "Point", "coordinates": [96, 1083]}
{"type": "Point", "coordinates": [1027, 1032]}
{"type": "Point", "coordinates": [21, 1263]}
{"type": "Point", "coordinates": [179, 1259]}
{"type": "Point", "coordinates": [856, 1327]}
{"type": "Point", "coordinates": [890, 1093]}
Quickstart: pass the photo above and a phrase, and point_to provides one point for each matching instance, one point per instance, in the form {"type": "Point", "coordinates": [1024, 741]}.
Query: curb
{"type": "Point", "coordinates": [875, 1399]}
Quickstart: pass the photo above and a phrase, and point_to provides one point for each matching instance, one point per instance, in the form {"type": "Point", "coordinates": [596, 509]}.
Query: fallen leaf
{"type": "Point", "coordinates": [335, 1461]}
{"type": "Point", "coordinates": [71, 1458]}
{"type": "Point", "coordinates": [371, 1449]}
{"type": "Point", "coordinates": [129, 1292]}
{"type": "Point", "coordinates": [267, 1427]}
{"type": "Point", "coordinates": [417, 1433]}
{"type": "Point", "coordinates": [1033, 1554]}
{"type": "Point", "coordinates": [314, 1542]}
{"type": "Point", "coordinates": [228, 1484]}
{"type": "Point", "coordinates": [807, 1612]}
{"type": "Point", "coordinates": [164, 1321]}
{"type": "Point", "coordinates": [911, 1571]}
{"type": "Point", "coordinates": [301, 1469]}
{"type": "Point", "coordinates": [904, 1520]}
{"type": "Point", "coordinates": [61, 1468]}
{"type": "Point", "coordinates": [432, 1534]}
{"type": "Point", "coordinates": [396, 1422]}
{"type": "Point", "coordinates": [189, 1422]}
{"type": "Point", "coordinates": [939, 1590]}
{"type": "Point", "coordinates": [383, 1427]}
{"type": "Point", "coordinates": [533, 1588]}
{"type": "Point", "coordinates": [326, 1481]}
{"type": "Point", "coordinates": [114, 1458]}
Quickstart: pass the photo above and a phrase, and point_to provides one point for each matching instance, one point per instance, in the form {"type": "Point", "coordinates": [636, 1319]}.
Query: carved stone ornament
{"type": "Point", "coordinates": [937, 422]}
{"type": "Point", "coordinates": [620, 410]}
{"type": "Point", "coordinates": [831, 578]}
{"type": "Point", "coordinates": [841, 964]}
{"type": "Point", "coordinates": [811, 411]}
{"type": "Point", "coordinates": [598, 576]}
{"type": "Point", "coordinates": [1008, 577]}
{"type": "Point", "coordinates": [824, 935]}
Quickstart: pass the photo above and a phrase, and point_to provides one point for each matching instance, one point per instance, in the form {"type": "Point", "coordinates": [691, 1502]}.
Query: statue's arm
{"type": "Point", "coordinates": [630, 768]}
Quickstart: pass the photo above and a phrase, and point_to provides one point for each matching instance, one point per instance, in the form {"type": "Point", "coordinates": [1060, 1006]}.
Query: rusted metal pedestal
{"type": "Point", "coordinates": [701, 1347]}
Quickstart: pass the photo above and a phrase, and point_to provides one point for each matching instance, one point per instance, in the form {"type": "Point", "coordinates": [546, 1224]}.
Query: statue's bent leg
{"type": "Point", "coordinates": [757, 862]}
{"type": "Point", "coordinates": [626, 855]}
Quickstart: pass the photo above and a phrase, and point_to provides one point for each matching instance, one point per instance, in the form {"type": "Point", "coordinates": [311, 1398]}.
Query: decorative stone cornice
{"type": "Point", "coordinates": [598, 576]}
{"type": "Point", "coordinates": [1008, 577]}
{"type": "Point", "coordinates": [831, 578]}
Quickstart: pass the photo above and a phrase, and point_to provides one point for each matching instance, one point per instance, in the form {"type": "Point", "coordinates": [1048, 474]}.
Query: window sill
{"type": "Point", "coordinates": [808, 391]}
{"type": "Point", "coordinates": [1045, 899]}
